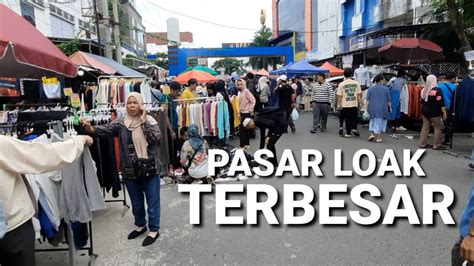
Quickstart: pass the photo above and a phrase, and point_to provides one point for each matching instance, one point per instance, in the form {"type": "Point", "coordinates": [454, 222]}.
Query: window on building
{"type": "Point", "coordinates": [61, 28]}
{"type": "Point", "coordinates": [61, 14]}
{"type": "Point", "coordinates": [28, 12]}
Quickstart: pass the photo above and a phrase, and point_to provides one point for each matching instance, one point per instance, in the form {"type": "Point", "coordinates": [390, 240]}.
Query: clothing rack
{"type": "Point", "coordinates": [71, 247]}
{"type": "Point", "coordinates": [196, 99]}
{"type": "Point", "coordinates": [120, 77]}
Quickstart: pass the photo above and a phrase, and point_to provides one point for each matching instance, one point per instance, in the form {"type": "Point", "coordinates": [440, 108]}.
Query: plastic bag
{"type": "Point", "coordinates": [294, 114]}
{"type": "Point", "coordinates": [365, 116]}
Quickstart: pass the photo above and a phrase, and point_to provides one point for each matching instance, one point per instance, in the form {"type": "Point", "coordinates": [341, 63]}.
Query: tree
{"type": "Point", "coordinates": [162, 60]}
{"type": "Point", "coordinates": [70, 47]}
{"type": "Point", "coordinates": [231, 65]}
{"type": "Point", "coordinates": [460, 14]}
{"type": "Point", "coordinates": [262, 38]}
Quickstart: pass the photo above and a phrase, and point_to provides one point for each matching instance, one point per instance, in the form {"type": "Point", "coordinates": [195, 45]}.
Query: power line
{"type": "Point", "coordinates": [302, 32]}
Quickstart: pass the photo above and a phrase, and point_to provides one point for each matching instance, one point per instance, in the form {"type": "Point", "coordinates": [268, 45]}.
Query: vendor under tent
{"type": "Point", "coordinates": [201, 77]}
{"type": "Point", "coordinates": [26, 53]}
{"type": "Point", "coordinates": [106, 65]}
{"type": "Point", "coordinates": [333, 71]}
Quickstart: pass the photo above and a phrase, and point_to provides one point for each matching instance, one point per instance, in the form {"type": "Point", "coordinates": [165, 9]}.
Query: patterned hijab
{"type": "Point", "coordinates": [195, 140]}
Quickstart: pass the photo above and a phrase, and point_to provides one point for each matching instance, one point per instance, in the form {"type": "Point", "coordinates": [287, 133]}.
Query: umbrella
{"type": "Point", "coordinates": [203, 69]}
{"type": "Point", "coordinates": [200, 76]}
{"type": "Point", "coordinates": [412, 49]}
{"type": "Point", "coordinates": [333, 71]}
{"type": "Point", "coordinates": [26, 53]}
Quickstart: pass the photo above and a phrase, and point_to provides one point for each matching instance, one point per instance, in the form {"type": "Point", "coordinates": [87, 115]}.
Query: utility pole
{"type": "Point", "coordinates": [105, 27]}
{"type": "Point", "coordinates": [118, 45]}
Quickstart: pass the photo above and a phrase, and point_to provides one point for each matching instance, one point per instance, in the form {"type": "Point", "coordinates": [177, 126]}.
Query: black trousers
{"type": "Point", "coordinates": [262, 137]}
{"type": "Point", "coordinates": [271, 146]}
{"type": "Point", "coordinates": [17, 248]}
{"type": "Point", "coordinates": [244, 134]}
{"type": "Point", "coordinates": [350, 118]}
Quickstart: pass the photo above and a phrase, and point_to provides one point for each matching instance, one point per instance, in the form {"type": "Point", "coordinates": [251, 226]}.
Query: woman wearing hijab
{"type": "Point", "coordinates": [139, 135]}
{"type": "Point", "coordinates": [433, 112]}
{"type": "Point", "coordinates": [194, 155]}
{"type": "Point", "coordinates": [264, 91]}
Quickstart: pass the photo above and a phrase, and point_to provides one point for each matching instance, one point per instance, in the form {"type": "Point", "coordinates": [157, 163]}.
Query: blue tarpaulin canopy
{"type": "Point", "coordinates": [281, 70]}
{"type": "Point", "coordinates": [300, 68]}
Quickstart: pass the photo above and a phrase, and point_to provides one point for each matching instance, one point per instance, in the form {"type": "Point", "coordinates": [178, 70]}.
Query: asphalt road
{"type": "Point", "coordinates": [399, 244]}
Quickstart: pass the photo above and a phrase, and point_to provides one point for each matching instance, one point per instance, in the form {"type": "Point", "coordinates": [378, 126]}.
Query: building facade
{"type": "Point", "coordinates": [324, 29]}
{"type": "Point", "coordinates": [57, 20]}
{"type": "Point", "coordinates": [157, 42]}
{"type": "Point", "coordinates": [133, 32]}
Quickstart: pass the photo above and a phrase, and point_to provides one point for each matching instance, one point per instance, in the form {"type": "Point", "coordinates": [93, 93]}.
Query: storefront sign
{"type": "Point", "coordinates": [75, 100]}
{"type": "Point", "coordinates": [68, 91]}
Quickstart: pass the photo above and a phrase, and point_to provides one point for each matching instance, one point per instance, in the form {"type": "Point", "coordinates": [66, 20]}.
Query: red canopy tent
{"type": "Point", "coordinates": [262, 72]}
{"type": "Point", "coordinates": [26, 53]}
{"type": "Point", "coordinates": [84, 59]}
{"type": "Point", "coordinates": [333, 71]}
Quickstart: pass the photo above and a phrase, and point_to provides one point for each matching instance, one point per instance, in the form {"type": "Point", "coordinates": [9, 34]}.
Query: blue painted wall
{"type": "Point", "coordinates": [184, 54]}
{"type": "Point", "coordinates": [348, 10]}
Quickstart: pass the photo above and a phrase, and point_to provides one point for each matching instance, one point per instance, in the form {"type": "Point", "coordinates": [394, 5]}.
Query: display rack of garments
{"type": "Point", "coordinates": [66, 197]}
{"type": "Point", "coordinates": [414, 100]}
{"type": "Point", "coordinates": [115, 89]}
{"type": "Point", "coordinates": [209, 114]}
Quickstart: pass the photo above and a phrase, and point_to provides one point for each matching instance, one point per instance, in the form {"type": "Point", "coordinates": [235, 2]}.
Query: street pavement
{"type": "Point", "coordinates": [315, 244]}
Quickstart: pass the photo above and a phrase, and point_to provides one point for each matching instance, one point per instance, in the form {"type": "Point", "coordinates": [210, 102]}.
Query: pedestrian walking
{"type": "Point", "coordinates": [434, 113]}
{"type": "Point", "coordinates": [286, 99]}
{"type": "Point", "coordinates": [264, 91]}
{"type": "Point", "coordinates": [246, 106]}
{"type": "Point", "coordinates": [378, 106]}
{"type": "Point", "coordinates": [349, 95]}
{"type": "Point", "coordinates": [308, 91]}
{"type": "Point", "coordinates": [321, 100]}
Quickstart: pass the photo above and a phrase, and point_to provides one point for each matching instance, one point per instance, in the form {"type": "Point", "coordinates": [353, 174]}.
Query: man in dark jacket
{"type": "Point", "coordinates": [252, 87]}
{"type": "Point", "coordinates": [286, 99]}
{"type": "Point", "coordinates": [272, 119]}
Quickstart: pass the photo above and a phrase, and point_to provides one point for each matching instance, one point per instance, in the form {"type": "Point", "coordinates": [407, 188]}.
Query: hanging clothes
{"type": "Point", "coordinates": [414, 102]}
{"type": "Point", "coordinates": [51, 87]}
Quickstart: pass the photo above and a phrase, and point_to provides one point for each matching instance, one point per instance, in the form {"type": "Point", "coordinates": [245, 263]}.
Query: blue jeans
{"type": "Point", "coordinates": [138, 190]}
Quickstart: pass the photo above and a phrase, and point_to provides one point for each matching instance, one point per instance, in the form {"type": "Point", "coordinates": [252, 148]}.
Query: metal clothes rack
{"type": "Point", "coordinates": [72, 248]}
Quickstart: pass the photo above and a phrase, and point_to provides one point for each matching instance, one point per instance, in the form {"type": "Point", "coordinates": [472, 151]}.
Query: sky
{"type": "Point", "coordinates": [234, 13]}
